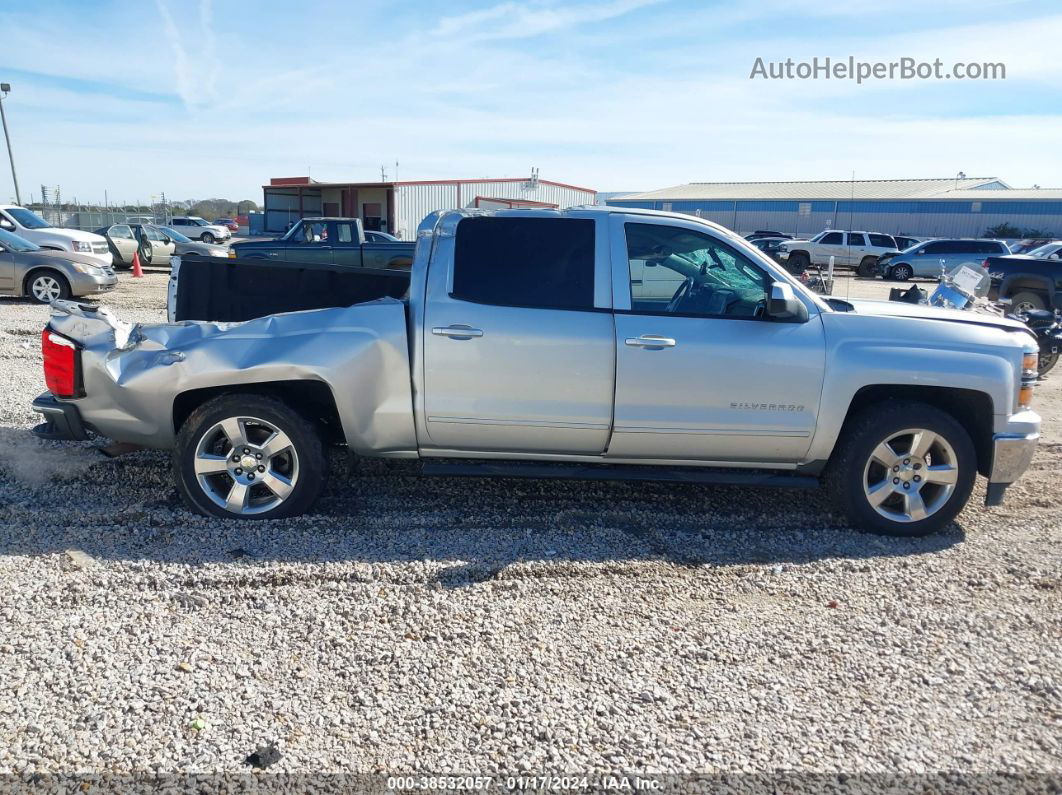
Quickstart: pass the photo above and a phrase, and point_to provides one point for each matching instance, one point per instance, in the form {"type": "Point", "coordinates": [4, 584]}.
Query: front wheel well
{"type": "Point", "coordinates": [312, 399]}
{"type": "Point", "coordinates": [39, 270]}
{"type": "Point", "coordinates": [971, 408]}
{"type": "Point", "coordinates": [1017, 283]}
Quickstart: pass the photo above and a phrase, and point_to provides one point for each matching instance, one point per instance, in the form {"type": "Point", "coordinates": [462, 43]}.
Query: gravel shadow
{"type": "Point", "coordinates": [55, 497]}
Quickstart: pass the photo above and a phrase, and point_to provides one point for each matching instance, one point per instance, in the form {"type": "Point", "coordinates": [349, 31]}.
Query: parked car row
{"type": "Point", "coordinates": [156, 244]}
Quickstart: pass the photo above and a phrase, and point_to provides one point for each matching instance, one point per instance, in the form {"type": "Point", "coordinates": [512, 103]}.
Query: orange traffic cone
{"type": "Point", "coordinates": [138, 272]}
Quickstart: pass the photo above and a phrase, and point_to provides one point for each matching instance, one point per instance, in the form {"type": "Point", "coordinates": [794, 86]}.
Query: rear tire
{"type": "Point", "coordinates": [868, 267]}
{"type": "Point", "coordinates": [1025, 300]}
{"type": "Point", "coordinates": [45, 286]}
{"type": "Point", "coordinates": [247, 456]}
{"type": "Point", "coordinates": [881, 450]}
{"type": "Point", "coordinates": [797, 261]}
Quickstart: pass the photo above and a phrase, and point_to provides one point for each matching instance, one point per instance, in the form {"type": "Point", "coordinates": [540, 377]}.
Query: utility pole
{"type": "Point", "coordinates": [5, 89]}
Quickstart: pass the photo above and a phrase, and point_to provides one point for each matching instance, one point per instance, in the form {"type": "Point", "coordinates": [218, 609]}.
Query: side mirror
{"type": "Point", "coordinates": [784, 305]}
{"type": "Point", "coordinates": [165, 239]}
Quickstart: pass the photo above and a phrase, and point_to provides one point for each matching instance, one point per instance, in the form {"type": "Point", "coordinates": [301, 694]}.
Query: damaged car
{"type": "Point", "coordinates": [593, 343]}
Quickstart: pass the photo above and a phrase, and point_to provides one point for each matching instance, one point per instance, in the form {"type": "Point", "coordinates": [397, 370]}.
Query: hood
{"type": "Point", "coordinates": [66, 256]}
{"type": "Point", "coordinates": [70, 234]}
{"type": "Point", "coordinates": [976, 316]}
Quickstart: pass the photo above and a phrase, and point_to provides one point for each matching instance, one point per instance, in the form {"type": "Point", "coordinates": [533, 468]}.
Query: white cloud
{"type": "Point", "coordinates": [524, 20]}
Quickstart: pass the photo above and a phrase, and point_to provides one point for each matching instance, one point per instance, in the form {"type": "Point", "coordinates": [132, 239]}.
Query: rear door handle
{"type": "Point", "coordinates": [651, 341]}
{"type": "Point", "coordinates": [458, 331]}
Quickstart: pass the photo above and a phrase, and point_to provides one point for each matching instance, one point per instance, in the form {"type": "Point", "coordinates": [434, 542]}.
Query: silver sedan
{"type": "Point", "coordinates": [44, 276]}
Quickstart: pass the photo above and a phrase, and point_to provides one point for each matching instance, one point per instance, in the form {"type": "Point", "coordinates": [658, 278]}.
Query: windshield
{"type": "Point", "coordinates": [15, 243]}
{"type": "Point", "coordinates": [174, 235]}
{"type": "Point", "coordinates": [27, 219]}
{"type": "Point", "coordinates": [1045, 250]}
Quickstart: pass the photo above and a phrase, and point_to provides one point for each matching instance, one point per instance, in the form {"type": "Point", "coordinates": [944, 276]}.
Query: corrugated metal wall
{"type": "Point", "coordinates": [414, 202]}
{"type": "Point", "coordinates": [943, 218]}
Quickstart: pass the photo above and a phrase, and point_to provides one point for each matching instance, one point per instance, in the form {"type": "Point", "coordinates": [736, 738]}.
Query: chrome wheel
{"type": "Point", "coordinates": [46, 289]}
{"type": "Point", "coordinates": [1025, 307]}
{"type": "Point", "coordinates": [246, 465]}
{"type": "Point", "coordinates": [910, 475]}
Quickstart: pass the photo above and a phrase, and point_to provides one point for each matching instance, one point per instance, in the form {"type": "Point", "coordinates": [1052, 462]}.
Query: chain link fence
{"type": "Point", "coordinates": [89, 219]}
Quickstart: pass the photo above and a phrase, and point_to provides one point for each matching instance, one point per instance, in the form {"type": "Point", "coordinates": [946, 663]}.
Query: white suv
{"type": "Point", "coordinates": [859, 250]}
{"type": "Point", "coordinates": [200, 229]}
{"type": "Point", "coordinates": [30, 226]}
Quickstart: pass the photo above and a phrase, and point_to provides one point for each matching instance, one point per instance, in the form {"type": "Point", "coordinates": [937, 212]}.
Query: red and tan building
{"type": "Point", "coordinates": [399, 207]}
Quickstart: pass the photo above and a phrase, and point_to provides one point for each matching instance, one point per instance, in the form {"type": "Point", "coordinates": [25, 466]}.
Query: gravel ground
{"type": "Point", "coordinates": [431, 625]}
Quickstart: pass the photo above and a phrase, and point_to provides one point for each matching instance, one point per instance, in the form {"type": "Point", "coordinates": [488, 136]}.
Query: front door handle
{"type": "Point", "coordinates": [458, 331]}
{"type": "Point", "coordinates": [651, 341]}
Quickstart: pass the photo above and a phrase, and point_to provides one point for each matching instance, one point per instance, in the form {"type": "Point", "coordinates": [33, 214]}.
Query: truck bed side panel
{"type": "Point", "coordinates": [360, 352]}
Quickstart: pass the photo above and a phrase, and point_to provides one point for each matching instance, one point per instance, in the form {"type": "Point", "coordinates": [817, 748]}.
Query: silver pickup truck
{"type": "Point", "coordinates": [543, 343]}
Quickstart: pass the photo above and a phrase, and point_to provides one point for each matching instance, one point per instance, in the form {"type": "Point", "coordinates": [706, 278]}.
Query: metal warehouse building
{"type": "Point", "coordinates": [955, 206]}
{"type": "Point", "coordinates": [399, 207]}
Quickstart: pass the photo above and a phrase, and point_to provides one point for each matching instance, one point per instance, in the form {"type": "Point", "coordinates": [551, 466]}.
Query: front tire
{"type": "Point", "coordinates": [901, 273]}
{"type": "Point", "coordinates": [797, 261]}
{"type": "Point", "coordinates": [45, 286]}
{"type": "Point", "coordinates": [208, 237]}
{"type": "Point", "coordinates": [902, 468]}
{"type": "Point", "coordinates": [247, 456]}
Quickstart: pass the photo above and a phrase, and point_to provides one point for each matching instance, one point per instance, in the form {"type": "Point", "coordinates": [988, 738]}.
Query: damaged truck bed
{"type": "Point", "coordinates": [232, 290]}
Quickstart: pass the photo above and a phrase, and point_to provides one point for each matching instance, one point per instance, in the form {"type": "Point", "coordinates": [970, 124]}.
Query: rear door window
{"type": "Point", "coordinates": [938, 247]}
{"type": "Point", "coordinates": [856, 239]}
{"type": "Point", "coordinates": [529, 262]}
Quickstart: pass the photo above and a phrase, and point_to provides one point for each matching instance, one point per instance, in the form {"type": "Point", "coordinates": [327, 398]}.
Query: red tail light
{"type": "Point", "coordinates": [62, 365]}
{"type": "Point", "coordinates": [985, 264]}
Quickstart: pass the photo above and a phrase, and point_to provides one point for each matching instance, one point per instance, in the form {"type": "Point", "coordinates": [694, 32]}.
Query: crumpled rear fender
{"type": "Point", "coordinates": [134, 373]}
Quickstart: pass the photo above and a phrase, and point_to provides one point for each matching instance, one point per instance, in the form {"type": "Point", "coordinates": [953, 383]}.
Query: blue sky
{"type": "Point", "coordinates": [202, 98]}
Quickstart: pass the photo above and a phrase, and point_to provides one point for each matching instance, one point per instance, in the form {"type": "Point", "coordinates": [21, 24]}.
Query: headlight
{"type": "Point", "coordinates": [232, 254]}
{"type": "Point", "coordinates": [1029, 373]}
{"type": "Point", "coordinates": [90, 270]}
{"type": "Point", "coordinates": [81, 247]}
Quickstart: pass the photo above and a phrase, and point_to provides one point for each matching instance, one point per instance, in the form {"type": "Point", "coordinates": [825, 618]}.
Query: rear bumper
{"type": "Point", "coordinates": [61, 420]}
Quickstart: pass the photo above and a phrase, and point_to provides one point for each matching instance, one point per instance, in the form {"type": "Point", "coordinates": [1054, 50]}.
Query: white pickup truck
{"type": "Point", "coordinates": [30, 226]}
{"type": "Point", "coordinates": [859, 250]}
{"type": "Point", "coordinates": [543, 343]}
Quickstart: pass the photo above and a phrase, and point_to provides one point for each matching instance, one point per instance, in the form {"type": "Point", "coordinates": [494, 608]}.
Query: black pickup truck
{"type": "Point", "coordinates": [328, 241]}
{"type": "Point", "coordinates": [1026, 282]}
